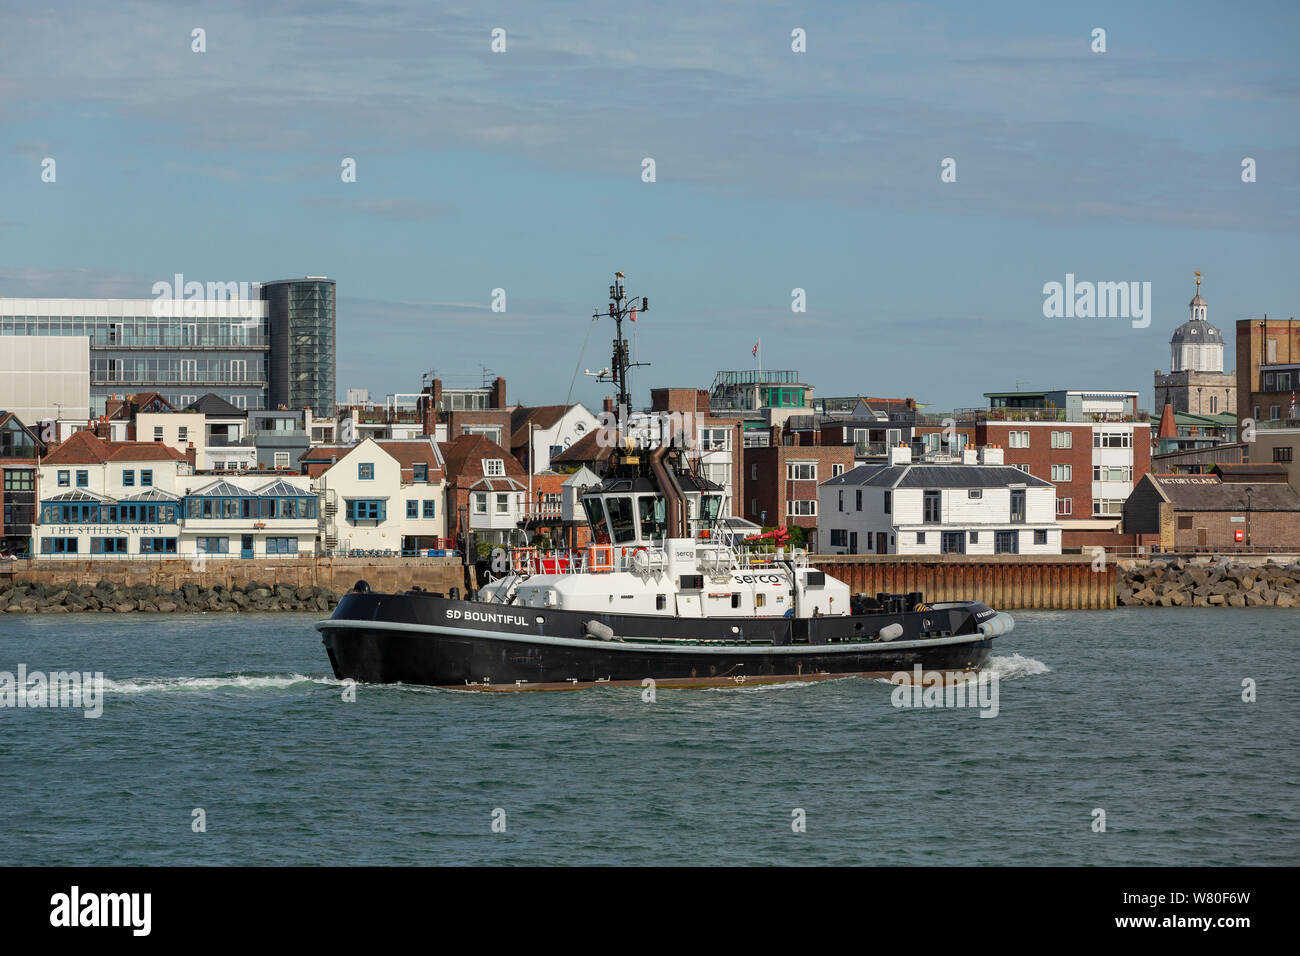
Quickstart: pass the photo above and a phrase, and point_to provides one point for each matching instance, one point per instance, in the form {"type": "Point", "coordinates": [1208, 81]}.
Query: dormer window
{"type": "Point", "coordinates": [421, 471]}
{"type": "Point", "coordinates": [494, 467]}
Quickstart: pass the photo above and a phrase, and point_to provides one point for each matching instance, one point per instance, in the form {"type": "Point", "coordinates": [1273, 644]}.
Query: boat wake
{"type": "Point", "coordinates": [149, 685]}
{"type": "Point", "coordinates": [1015, 666]}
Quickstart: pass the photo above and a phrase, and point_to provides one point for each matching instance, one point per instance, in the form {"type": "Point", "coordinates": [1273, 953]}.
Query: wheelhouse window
{"type": "Point", "coordinates": [622, 519]}
{"type": "Point", "coordinates": [653, 512]}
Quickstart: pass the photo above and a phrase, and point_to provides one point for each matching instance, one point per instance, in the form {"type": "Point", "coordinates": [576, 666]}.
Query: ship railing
{"type": "Point", "coordinates": [713, 558]}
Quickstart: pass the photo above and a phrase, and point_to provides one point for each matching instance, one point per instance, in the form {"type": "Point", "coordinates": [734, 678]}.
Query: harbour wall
{"type": "Point", "coordinates": [1004, 582]}
{"type": "Point", "coordinates": [335, 575]}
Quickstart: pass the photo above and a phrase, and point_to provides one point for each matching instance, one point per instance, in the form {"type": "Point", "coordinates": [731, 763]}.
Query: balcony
{"type": "Point", "coordinates": [870, 449]}
{"type": "Point", "coordinates": [1038, 413]}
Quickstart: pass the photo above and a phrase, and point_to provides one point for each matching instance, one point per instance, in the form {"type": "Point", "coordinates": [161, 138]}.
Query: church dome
{"type": "Point", "coordinates": [1196, 331]}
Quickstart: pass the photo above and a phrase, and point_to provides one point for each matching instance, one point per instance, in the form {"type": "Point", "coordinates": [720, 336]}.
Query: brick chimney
{"type": "Point", "coordinates": [498, 393]}
{"type": "Point", "coordinates": [190, 455]}
{"type": "Point", "coordinates": [609, 405]}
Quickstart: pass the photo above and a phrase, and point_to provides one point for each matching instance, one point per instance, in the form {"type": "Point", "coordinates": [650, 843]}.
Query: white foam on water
{"type": "Point", "coordinates": [146, 685]}
{"type": "Point", "coordinates": [1010, 668]}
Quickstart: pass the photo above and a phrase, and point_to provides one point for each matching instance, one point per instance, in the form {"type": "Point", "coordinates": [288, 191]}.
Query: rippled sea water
{"type": "Point", "coordinates": [1137, 712]}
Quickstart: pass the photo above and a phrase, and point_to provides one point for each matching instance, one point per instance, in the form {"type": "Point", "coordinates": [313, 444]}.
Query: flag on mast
{"type": "Point", "coordinates": [632, 315]}
{"type": "Point", "coordinates": [755, 350]}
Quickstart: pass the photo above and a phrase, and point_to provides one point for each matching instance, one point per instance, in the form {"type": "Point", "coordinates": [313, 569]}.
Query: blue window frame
{"type": "Point", "coordinates": [281, 545]}
{"type": "Point", "coordinates": [429, 508]}
{"type": "Point", "coordinates": [366, 509]}
{"type": "Point", "coordinates": [212, 545]}
{"type": "Point", "coordinates": [366, 471]}
{"type": "Point", "coordinates": [58, 546]}
{"type": "Point", "coordinates": [83, 478]}
{"type": "Point", "coordinates": [64, 479]}
{"type": "Point", "coordinates": [421, 471]}
{"type": "Point", "coordinates": [146, 477]}
{"type": "Point", "coordinates": [108, 545]}
{"type": "Point", "coordinates": [412, 508]}
{"type": "Point", "coordinates": [157, 545]}
{"type": "Point", "coordinates": [128, 479]}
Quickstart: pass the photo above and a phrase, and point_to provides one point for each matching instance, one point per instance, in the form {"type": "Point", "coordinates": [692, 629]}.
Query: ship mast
{"type": "Point", "coordinates": [620, 308]}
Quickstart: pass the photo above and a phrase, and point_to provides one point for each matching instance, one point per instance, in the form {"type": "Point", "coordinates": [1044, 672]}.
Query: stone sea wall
{"type": "Point", "coordinates": [35, 597]}
{"type": "Point", "coordinates": [1209, 582]}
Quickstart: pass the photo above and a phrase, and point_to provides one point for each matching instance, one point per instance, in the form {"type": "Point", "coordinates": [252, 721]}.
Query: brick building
{"type": "Point", "coordinates": [1092, 444]}
{"type": "Point", "coordinates": [782, 481]}
{"type": "Point", "coordinates": [1203, 513]}
{"type": "Point", "coordinates": [1268, 372]}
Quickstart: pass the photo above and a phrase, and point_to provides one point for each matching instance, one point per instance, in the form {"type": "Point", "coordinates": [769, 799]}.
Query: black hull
{"type": "Point", "coordinates": [423, 639]}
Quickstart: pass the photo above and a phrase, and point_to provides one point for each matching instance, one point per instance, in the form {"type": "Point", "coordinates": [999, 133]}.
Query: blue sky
{"type": "Point", "coordinates": [775, 170]}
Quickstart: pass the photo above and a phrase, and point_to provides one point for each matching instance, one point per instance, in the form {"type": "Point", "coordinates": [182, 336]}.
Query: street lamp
{"type": "Point", "coordinates": [1249, 489]}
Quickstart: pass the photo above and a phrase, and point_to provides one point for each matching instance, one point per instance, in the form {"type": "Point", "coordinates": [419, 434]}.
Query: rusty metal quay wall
{"type": "Point", "coordinates": [1004, 582]}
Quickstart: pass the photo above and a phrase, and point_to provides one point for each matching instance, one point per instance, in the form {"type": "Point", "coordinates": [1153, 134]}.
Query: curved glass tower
{"type": "Point", "coordinates": [301, 322]}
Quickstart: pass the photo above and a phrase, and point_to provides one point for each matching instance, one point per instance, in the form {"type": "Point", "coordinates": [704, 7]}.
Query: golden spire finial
{"type": "Point", "coordinates": [1198, 280]}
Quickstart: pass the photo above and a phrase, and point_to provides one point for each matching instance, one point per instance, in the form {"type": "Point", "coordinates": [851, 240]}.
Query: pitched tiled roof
{"type": "Point", "coordinates": [542, 416]}
{"type": "Point", "coordinates": [81, 448]}
{"type": "Point", "coordinates": [409, 453]}
{"type": "Point", "coordinates": [85, 448]}
{"type": "Point", "coordinates": [937, 476]}
{"type": "Point", "coordinates": [463, 459]}
{"type": "Point", "coordinates": [585, 449]}
{"type": "Point", "coordinates": [1192, 493]}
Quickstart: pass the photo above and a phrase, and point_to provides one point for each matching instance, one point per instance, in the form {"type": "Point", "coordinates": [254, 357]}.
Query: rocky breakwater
{"type": "Point", "coordinates": [1204, 582]}
{"type": "Point", "coordinates": [29, 597]}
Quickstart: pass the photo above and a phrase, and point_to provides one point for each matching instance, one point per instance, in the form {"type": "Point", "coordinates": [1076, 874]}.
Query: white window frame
{"type": "Point", "coordinates": [494, 467]}
{"type": "Point", "coordinates": [801, 507]}
{"type": "Point", "coordinates": [792, 469]}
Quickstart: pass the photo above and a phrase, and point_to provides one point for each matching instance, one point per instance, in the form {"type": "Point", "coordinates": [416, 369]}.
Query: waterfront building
{"type": "Point", "coordinates": [387, 496]}
{"type": "Point", "coordinates": [1196, 382]}
{"type": "Point", "coordinates": [486, 488]}
{"type": "Point", "coordinates": [1092, 444]}
{"type": "Point", "coordinates": [781, 481]}
{"type": "Point", "coordinates": [247, 516]}
{"type": "Point", "coordinates": [902, 507]}
{"type": "Point", "coordinates": [179, 348]}
{"type": "Point", "coordinates": [1249, 512]}
{"type": "Point", "coordinates": [20, 451]}
{"type": "Point", "coordinates": [44, 378]}
{"type": "Point", "coordinates": [102, 497]}
{"type": "Point", "coordinates": [275, 347]}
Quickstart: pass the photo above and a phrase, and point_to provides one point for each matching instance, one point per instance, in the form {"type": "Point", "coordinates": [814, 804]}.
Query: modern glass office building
{"type": "Point", "coordinates": [179, 348]}
{"type": "Point", "coordinates": [301, 321]}
{"type": "Point", "coordinates": [272, 347]}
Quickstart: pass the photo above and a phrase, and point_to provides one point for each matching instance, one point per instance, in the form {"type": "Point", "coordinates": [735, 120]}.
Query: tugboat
{"type": "Point", "coordinates": [662, 593]}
